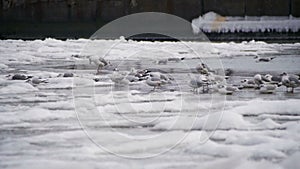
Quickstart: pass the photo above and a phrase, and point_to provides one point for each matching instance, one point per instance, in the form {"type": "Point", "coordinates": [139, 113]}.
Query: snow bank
{"type": "Point", "coordinates": [35, 115]}
{"type": "Point", "coordinates": [292, 161]}
{"type": "Point", "coordinates": [228, 120]}
{"type": "Point", "coordinates": [258, 106]}
{"type": "Point", "coordinates": [232, 118]}
{"type": "Point", "coordinates": [18, 88]}
{"type": "Point", "coordinates": [212, 22]}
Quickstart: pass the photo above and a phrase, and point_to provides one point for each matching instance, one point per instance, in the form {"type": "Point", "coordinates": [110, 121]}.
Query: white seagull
{"type": "Point", "coordinates": [155, 82]}
{"type": "Point", "coordinates": [290, 81]}
{"type": "Point", "coordinates": [119, 78]}
{"type": "Point", "coordinates": [98, 61]}
{"type": "Point", "coordinates": [267, 88]}
{"type": "Point", "coordinates": [198, 82]}
{"type": "Point", "coordinates": [258, 79]}
{"type": "Point", "coordinates": [272, 79]}
{"type": "Point", "coordinates": [248, 83]}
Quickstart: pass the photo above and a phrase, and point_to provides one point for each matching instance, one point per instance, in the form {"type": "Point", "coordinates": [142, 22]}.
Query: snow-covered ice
{"type": "Point", "coordinates": [42, 125]}
{"type": "Point", "coordinates": [213, 22]}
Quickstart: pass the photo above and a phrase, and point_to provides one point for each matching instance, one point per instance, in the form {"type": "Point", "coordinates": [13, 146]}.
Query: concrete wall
{"type": "Point", "coordinates": [225, 7]}
{"type": "Point", "coordinates": [295, 8]}
{"type": "Point", "coordinates": [267, 7]}
{"type": "Point", "coordinates": [52, 16]}
{"type": "Point", "coordinates": [107, 10]}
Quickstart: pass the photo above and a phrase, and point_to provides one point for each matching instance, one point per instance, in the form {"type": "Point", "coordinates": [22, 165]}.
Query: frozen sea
{"type": "Point", "coordinates": [75, 122]}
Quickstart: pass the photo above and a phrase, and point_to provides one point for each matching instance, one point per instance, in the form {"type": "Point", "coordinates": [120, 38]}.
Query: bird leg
{"type": "Point", "coordinates": [98, 70]}
{"type": "Point", "coordinates": [154, 88]}
{"type": "Point", "coordinates": [205, 88]}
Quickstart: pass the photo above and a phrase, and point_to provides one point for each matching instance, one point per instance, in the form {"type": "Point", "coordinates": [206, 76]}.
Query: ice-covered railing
{"type": "Point", "coordinates": [213, 22]}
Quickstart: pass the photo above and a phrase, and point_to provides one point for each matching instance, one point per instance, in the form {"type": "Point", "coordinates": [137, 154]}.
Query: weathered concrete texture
{"type": "Point", "coordinates": [80, 18]}
{"type": "Point", "coordinates": [109, 10]}
{"type": "Point", "coordinates": [267, 7]}
{"type": "Point", "coordinates": [295, 8]}
{"type": "Point", "coordinates": [276, 7]}
{"type": "Point", "coordinates": [189, 10]}
{"type": "Point", "coordinates": [58, 11]}
{"type": "Point", "coordinates": [148, 6]}
{"type": "Point", "coordinates": [225, 7]}
{"type": "Point", "coordinates": [112, 9]}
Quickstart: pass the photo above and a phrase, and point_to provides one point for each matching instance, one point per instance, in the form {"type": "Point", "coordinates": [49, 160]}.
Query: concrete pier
{"type": "Point", "coordinates": [80, 18]}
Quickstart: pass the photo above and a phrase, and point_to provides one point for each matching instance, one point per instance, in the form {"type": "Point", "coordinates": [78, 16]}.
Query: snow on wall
{"type": "Point", "coordinates": [213, 22]}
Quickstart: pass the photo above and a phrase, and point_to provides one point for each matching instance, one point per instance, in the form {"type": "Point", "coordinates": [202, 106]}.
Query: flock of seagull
{"type": "Point", "coordinates": [204, 78]}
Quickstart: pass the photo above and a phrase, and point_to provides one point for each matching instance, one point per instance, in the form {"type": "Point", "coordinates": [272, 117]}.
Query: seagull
{"type": "Point", "coordinates": [263, 59]}
{"type": "Point", "coordinates": [36, 81]}
{"type": "Point", "coordinates": [248, 83]}
{"type": "Point", "coordinates": [141, 74]}
{"type": "Point", "coordinates": [290, 81]}
{"type": "Point", "coordinates": [202, 68]}
{"type": "Point", "coordinates": [68, 74]}
{"type": "Point", "coordinates": [226, 90]}
{"type": "Point", "coordinates": [19, 77]}
{"type": "Point", "coordinates": [228, 72]}
{"type": "Point", "coordinates": [267, 88]}
{"type": "Point", "coordinates": [162, 61]}
{"type": "Point", "coordinates": [160, 76]}
{"type": "Point", "coordinates": [231, 88]}
{"type": "Point", "coordinates": [98, 61]}
{"type": "Point", "coordinates": [198, 82]}
{"type": "Point", "coordinates": [175, 59]}
{"type": "Point", "coordinates": [258, 79]}
{"type": "Point", "coordinates": [272, 79]}
{"type": "Point", "coordinates": [155, 82]}
{"type": "Point", "coordinates": [119, 78]}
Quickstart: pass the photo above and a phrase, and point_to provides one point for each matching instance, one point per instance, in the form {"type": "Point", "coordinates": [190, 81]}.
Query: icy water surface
{"type": "Point", "coordinates": [79, 123]}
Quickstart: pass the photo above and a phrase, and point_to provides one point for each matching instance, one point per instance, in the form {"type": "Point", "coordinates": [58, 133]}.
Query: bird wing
{"type": "Point", "coordinates": [103, 61]}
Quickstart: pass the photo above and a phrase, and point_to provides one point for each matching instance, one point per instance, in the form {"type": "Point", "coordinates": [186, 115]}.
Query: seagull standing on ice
{"type": "Point", "coordinates": [290, 81]}
{"type": "Point", "coordinates": [155, 82]}
{"type": "Point", "coordinates": [160, 76]}
{"type": "Point", "coordinates": [258, 79]}
{"type": "Point", "coordinates": [119, 79]}
{"type": "Point", "coordinates": [98, 61]}
{"type": "Point", "coordinates": [157, 79]}
{"type": "Point", "coordinates": [198, 82]}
